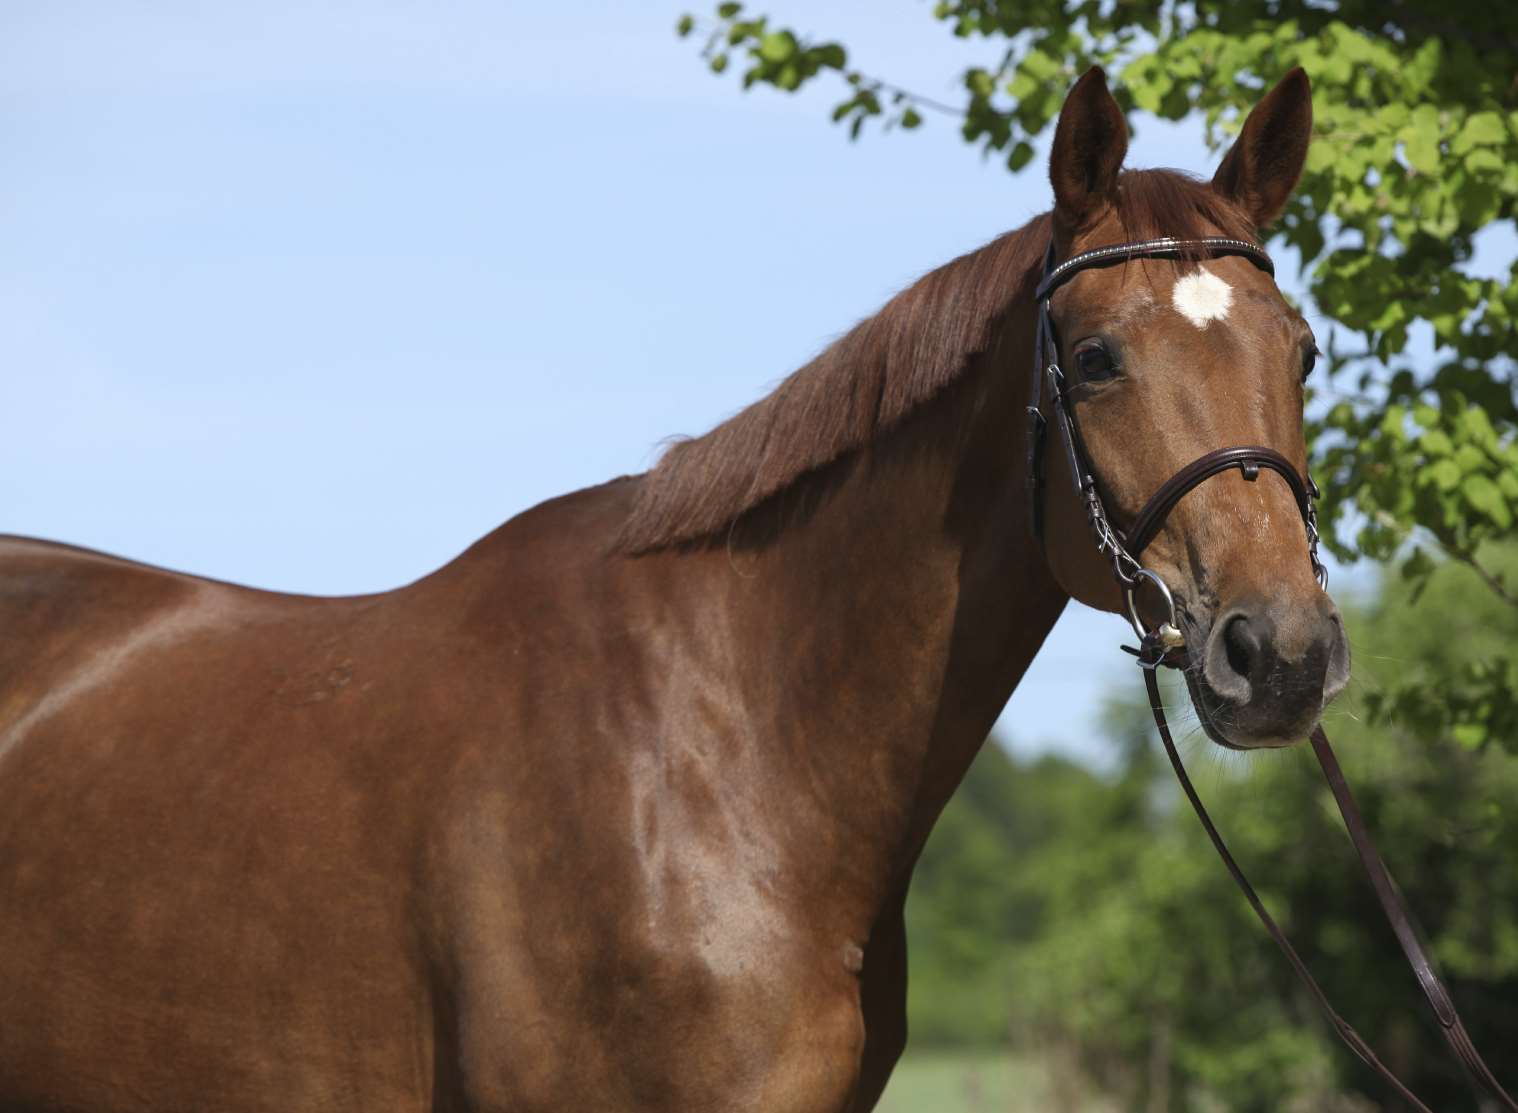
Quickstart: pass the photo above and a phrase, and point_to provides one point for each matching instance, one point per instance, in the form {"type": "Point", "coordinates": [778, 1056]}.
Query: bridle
{"type": "Point", "coordinates": [1123, 549]}
{"type": "Point", "coordinates": [1164, 644]}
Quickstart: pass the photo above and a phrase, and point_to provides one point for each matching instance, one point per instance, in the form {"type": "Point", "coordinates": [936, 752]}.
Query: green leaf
{"type": "Point", "coordinates": [980, 82]}
{"type": "Point", "coordinates": [911, 118]}
{"type": "Point", "coordinates": [1484, 159]}
{"type": "Point", "coordinates": [1470, 735]}
{"type": "Point", "coordinates": [729, 9]}
{"type": "Point", "coordinates": [686, 25]}
{"type": "Point", "coordinates": [830, 55]}
{"type": "Point", "coordinates": [1478, 426]}
{"type": "Point", "coordinates": [1420, 139]}
{"type": "Point", "coordinates": [1393, 422]}
{"type": "Point", "coordinates": [1470, 459]}
{"type": "Point", "coordinates": [1420, 71]}
{"type": "Point", "coordinates": [1445, 474]}
{"type": "Point", "coordinates": [1481, 129]}
{"type": "Point", "coordinates": [1436, 442]}
{"type": "Point", "coordinates": [1418, 566]}
{"type": "Point", "coordinates": [777, 46]}
{"type": "Point", "coordinates": [1484, 496]}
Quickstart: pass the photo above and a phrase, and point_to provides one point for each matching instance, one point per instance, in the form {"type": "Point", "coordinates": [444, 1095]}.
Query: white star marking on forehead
{"type": "Point", "coordinates": [1202, 297]}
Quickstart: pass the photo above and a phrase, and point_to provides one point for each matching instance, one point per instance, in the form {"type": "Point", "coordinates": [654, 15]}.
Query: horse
{"type": "Point", "coordinates": [618, 810]}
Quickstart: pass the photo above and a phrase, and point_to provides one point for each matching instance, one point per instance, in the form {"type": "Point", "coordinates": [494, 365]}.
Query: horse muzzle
{"type": "Point", "coordinates": [1265, 670]}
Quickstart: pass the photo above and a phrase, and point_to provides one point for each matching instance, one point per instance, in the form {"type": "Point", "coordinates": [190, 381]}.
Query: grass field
{"type": "Point", "coordinates": [965, 1082]}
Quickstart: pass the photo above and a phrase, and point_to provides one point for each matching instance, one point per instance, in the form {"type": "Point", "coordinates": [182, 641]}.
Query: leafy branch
{"type": "Point", "coordinates": [786, 61]}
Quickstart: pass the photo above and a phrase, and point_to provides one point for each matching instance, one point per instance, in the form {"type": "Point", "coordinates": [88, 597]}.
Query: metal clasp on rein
{"type": "Point", "coordinates": [1156, 644]}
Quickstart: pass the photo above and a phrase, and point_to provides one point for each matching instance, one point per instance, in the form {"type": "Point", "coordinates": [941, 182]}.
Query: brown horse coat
{"type": "Point", "coordinates": [615, 811]}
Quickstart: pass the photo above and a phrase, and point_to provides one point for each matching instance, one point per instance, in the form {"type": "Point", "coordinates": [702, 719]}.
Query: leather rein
{"type": "Point", "coordinates": [1164, 644]}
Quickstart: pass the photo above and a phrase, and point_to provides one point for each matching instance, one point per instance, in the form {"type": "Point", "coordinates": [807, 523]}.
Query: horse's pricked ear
{"type": "Point", "coordinates": [1089, 144]}
{"type": "Point", "coordinates": [1263, 166]}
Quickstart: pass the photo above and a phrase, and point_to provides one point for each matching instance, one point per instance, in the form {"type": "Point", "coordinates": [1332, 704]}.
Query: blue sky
{"type": "Point", "coordinates": [310, 296]}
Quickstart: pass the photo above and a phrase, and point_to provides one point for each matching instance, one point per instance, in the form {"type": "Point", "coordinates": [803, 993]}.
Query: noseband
{"type": "Point", "coordinates": [1165, 644]}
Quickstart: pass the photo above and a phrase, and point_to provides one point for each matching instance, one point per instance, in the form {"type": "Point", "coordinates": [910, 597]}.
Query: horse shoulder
{"type": "Point", "coordinates": [604, 878]}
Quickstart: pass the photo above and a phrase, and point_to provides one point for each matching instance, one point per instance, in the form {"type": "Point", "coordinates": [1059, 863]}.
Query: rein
{"type": "Point", "coordinates": [1164, 644]}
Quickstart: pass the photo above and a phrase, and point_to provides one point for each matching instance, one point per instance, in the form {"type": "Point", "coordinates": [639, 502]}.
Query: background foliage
{"type": "Point", "coordinates": [1083, 916]}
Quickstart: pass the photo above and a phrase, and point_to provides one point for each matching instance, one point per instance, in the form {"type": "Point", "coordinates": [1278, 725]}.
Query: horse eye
{"type": "Point", "coordinates": [1309, 360]}
{"type": "Point", "coordinates": [1095, 363]}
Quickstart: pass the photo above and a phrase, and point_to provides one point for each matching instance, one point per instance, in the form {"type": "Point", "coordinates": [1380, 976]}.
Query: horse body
{"type": "Point", "coordinates": [618, 810]}
{"type": "Point", "coordinates": [530, 833]}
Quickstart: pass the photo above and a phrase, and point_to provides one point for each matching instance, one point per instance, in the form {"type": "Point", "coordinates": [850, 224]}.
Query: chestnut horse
{"type": "Point", "coordinates": [618, 810]}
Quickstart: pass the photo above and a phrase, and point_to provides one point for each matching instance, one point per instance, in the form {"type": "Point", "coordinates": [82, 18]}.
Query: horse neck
{"type": "Point", "coordinates": [893, 621]}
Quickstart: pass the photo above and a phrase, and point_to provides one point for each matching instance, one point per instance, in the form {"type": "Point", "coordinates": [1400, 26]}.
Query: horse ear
{"type": "Point", "coordinates": [1261, 169]}
{"type": "Point", "coordinates": [1089, 144]}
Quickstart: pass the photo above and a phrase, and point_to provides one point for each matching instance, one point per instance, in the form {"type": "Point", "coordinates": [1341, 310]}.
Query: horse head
{"type": "Point", "coordinates": [1166, 355]}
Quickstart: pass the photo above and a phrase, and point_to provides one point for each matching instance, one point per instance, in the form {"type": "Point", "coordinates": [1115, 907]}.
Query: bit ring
{"type": "Point", "coordinates": [1168, 632]}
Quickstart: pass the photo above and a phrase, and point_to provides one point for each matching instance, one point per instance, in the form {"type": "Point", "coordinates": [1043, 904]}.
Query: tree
{"type": "Point", "coordinates": [978, 894]}
{"type": "Point", "coordinates": [1415, 154]}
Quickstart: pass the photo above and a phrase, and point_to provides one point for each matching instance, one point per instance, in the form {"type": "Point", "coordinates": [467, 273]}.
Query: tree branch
{"type": "Point", "coordinates": [907, 95]}
{"type": "Point", "coordinates": [1491, 579]}
{"type": "Point", "coordinates": [855, 78]}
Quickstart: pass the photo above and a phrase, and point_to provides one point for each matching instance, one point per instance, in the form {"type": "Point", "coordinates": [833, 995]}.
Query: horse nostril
{"type": "Point", "coordinates": [1241, 645]}
{"type": "Point", "coordinates": [1236, 655]}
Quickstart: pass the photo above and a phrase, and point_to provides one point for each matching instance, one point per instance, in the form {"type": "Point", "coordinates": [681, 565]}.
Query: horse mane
{"type": "Point", "coordinates": [871, 379]}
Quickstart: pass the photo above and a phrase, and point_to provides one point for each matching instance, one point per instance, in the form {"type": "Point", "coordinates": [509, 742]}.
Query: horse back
{"type": "Point", "coordinates": [196, 885]}
{"type": "Point", "coordinates": [57, 601]}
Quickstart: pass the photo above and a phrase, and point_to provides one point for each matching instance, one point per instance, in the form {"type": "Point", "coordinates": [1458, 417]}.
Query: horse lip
{"type": "Point", "coordinates": [1214, 732]}
{"type": "Point", "coordinates": [1204, 714]}
{"type": "Point", "coordinates": [1196, 636]}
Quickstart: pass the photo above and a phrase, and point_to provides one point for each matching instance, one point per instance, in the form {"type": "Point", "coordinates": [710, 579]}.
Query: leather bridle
{"type": "Point", "coordinates": [1164, 643]}
{"type": "Point", "coordinates": [1123, 549]}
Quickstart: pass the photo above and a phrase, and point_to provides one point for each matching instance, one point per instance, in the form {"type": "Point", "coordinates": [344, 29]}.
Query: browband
{"type": "Point", "coordinates": [1167, 247]}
